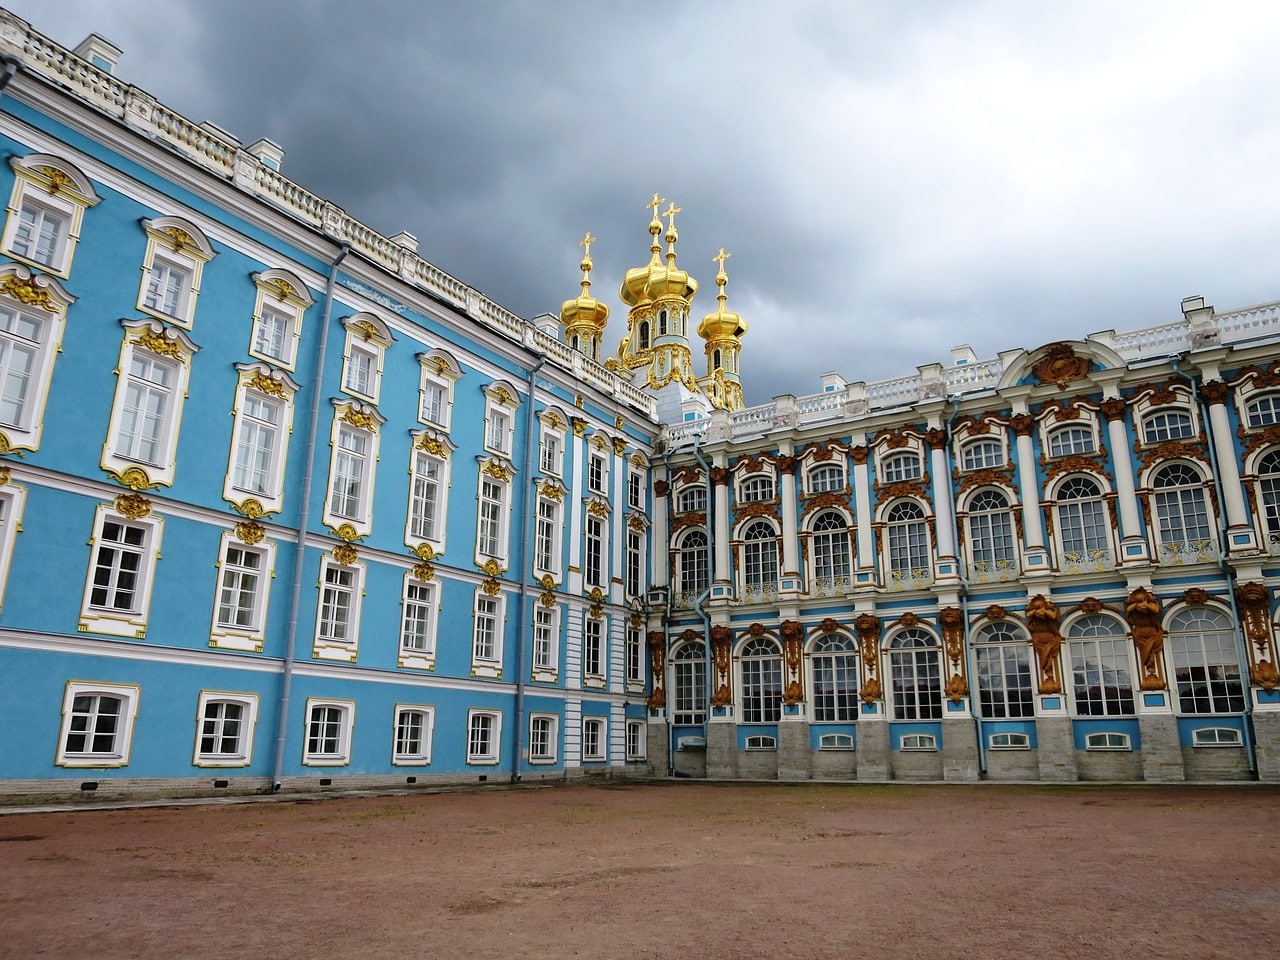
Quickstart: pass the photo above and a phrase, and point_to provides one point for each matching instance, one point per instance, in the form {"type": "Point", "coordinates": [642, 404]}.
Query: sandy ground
{"type": "Point", "coordinates": [657, 870]}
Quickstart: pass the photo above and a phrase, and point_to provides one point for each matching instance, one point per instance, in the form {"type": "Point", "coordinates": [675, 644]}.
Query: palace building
{"type": "Point", "coordinates": [284, 506]}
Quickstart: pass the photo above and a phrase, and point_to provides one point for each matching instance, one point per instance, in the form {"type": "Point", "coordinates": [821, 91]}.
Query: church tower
{"type": "Point", "coordinates": [722, 331]}
{"type": "Point", "coordinates": [660, 297]}
{"type": "Point", "coordinates": [584, 317]}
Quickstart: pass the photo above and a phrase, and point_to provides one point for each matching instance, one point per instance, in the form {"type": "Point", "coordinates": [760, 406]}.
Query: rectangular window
{"type": "Point", "coordinates": [593, 562]}
{"type": "Point", "coordinates": [491, 534]}
{"type": "Point", "coordinates": [417, 625]}
{"type": "Point", "coordinates": [486, 639]}
{"type": "Point", "coordinates": [635, 655]}
{"type": "Point", "coordinates": [350, 467]}
{"type": "Point", "coordinates": [635, 491]}
{"type": "Point", "coordinates": [338, 622]}
{"type": "Point", "coordinates": [424, 496]}
{"type": "Point", "coordinates": [636, 740]}
{"type": "Point", "coordinates": [241, 588]}
{"type": "Point", "coordinates": [432, 403]}
{"type": "Point", "coordinates": [165, 289]}
{"type": "Point", "coordinates": [596, 473]}
{"type": "Point", "coordinates": [329, 723]}
{"type": "Point", "coordinates": [497, 432]}
{"type": "Point", "coordinates": [148, 401]}
{"type": "Point", "coordinates": [22, 342]}
{"type": "Point", "coordinates": [593, 658]}
{"type": "Point", "coordinates": [40, 235]}
{"type": "Point", "coordinates": [414, 727]}
{"type": "Point", "coordinates": [546, 552]}
{"type": "Point", "coordinates": [118, 567]}
{"type": "Point", "coordinates": [11, 502]}
{"type": "Point", "coordinates": [542, 738]}
{"type": "Point", "coordinates": [484, 728]}
{"type": "Point", "coordinates": [273, 334]}
{"type": "Point", "coordinates": [635, 563]}
{"type": "Point", "coordinates": [257, 443]}
{"type": "Point", "coordinates": [224, 734]}
{"type": "Point", "coordinates": [97, 725]}
{"type": "Point", "coordinates": [360, 375]}
{"type": "Point", "coordinates": [593, 738]}
{"type": "Point", "coordinates": [549, 453]}
{"type": "Point", "coordinates": [47, 208]}
{"type": "Point", "coordinates": [545, 637]}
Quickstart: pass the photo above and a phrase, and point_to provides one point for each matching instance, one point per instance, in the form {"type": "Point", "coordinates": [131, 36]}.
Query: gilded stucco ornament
{"type": "Point", "coordinates": [132, 505]}
{"type": "Point", "coordinates": [497, 470]}
{"type": "Point", "coordinates": [345, 553]}
{"type": "Point", "coordinates": [251, 508]}
{"type": "Point", "coordinates": [159, 344]}
{"type": "Point", "coordinates": [135, 478]}
{"type": "Point", "coordinates": [867, 626]}
{"type": "Point", "coordinates": [661, 488]}
{"type": "Point", "coordinates": [7, 447]}
{"type": "Point", "coordinates": [5, 474]}
{"type": "Point", "coordinates": [619, 446]}
{"type": "Point", "coordinates": [280, 288]}
{"type": "Point", "coordinates": [491, 587]}
{"type": "Point", "coordinates": [424, 571]}
{"type": "Point", "coordinates": [28, 290]}
{"type": "Point", "coordinates": [424, 551]}
{"type": "Point", "coordinates": [249, 531]}
{"type": "Point", "coordinates": [490, 567]}
{"type": "Point", "coordinates": [547, 599]}
{"type": "Point", "coordinates": [57, 180]}
{"type": "Point", "coordinates": [996, 612]}
{"type": "Point", "coordinates": [1061, 365]}
{"type": "Point", "coordinates": [360, 418]}
{"type": "Point", "coordinates": [721, 642]}
{"type": "Point", "coordinates": [1043, 621]}
{"type": "Point", "coordinates": [346, 532]}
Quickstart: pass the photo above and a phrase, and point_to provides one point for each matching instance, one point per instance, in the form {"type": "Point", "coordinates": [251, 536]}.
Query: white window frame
{"type": "Point", "coordinates": [551, 451]}
{"type": "Point", "coordinates": [422, 756]}
{"type": "Point", "coordinates": [634, 657]}
{"type": "Point", "coordinates": [327, 645]}
{"type": "Point", "coordinates": [1260, 412]}
{"type": "Point", "coordinates": [922, 742]}
{"type": "Point", "coordinates": [1071, 439]}
{"type": "Point", "coordinates": [440, 371]}
{"type": "Point", "coordinates": [635, 489]}
{"type": "Point", "coordinates": [634, 563]}
{"type": "Point", "coordinates": [901, 466]}
{"type": "Point", "coordinates": [982, 453]}
{"type": "Point", "coordinates": [637, 741]}
{"type": "Point", "coordinates": [486, 723]}
{"type": "Point", "coordinates": [595, 651]}
{"type": "Point", "coordinates": [122, 740]}
{"type": "Point", "coordinates": [259, 385]}
{"type": "Point", "coordinates": [1155, 427]}
{"type": "Point", "coordinates": [1108, 740]}
{"type": "Point", "coordinates": [366, 342]}
{"type": "Point", "coordinates": [757, 488]}
{"type": "Point", "coordinates": [1009, 740]}
{"type": "Point", "coordinates": [118, 621]}
{"type": "Point", "coordinates": [13, 498]}
{"type": "Point", "coordinates": [428, 449]}
{"type": "Point", "coordinates": [175, 247]}
{"type": "Point", "coordinates": [761, 741]}
{"type": "Point", "coordinates": [550, 723]}
{"type": "Point", "coordinates": [32, 300]}
{"type": "Point", "coordinates": [501, 403]}
{"type": "Point", "coordinates": [595, 549]}
{"type": "Point", "coordinates": [598, 471]}
{"type": "Point", "coordinates": [545, 656]}
{"type": "Point", "coordinates": [231, 577]}
{"type": "Point", "coordinates": [1216, 737]}
{"type": "Point", "coordinates": [415, 595]}
{"type": "Point", "coordinates": [361, 422]}
{"type": "Point", "coordinates": [243, 755]}
{"type": "Point", "coordinates": [825, 477]}
{"type": "Point", "coordinates": [595, 739]}
{"type": "Point", "coordinates": [486, 655]}
{"type": "Point", "coordinates": [691, 498]}
{"type": "Point", "coordinates": [156, 346]}
{"type": "Point", "coordinates": [341, 755]}
{"type": "Point", "coordinates": [548, 536]}
{"type": "Point", "coordinates": [493, 510]}
{"type": "Point", "coordinates": [835, 741]}
{"type": "Point", "coordinates": [283, 298]}
{"type": "Point", "coordinates": [48, 183]}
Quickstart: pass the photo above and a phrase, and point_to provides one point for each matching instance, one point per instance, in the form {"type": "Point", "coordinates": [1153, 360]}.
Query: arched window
{"type": "Point", "coordinates": [908, 543]}
{"type": "Point", "coordinates": [982, 455]}
{"type": "Point", "coordinates": [715, 359]}
{"type": "Point", "coordinates": [761, 681]}
{"type": "Point", "coordinates": [662, 323]}
{"type": "Point", "coordinates": [1206, 661]}
{"type": "Point", "coordinates": [1071, 441]}
{"type": "Point", "coordinates": [991, 536]}
{"type": "Point", "coordinates": [759, 556]}
{"type": "Point", "coordinates": [692, 499]}
{"type": "Point", "coordinates": [827, 478]}
{"type": "Point", "coordinates": [1182, 517]}
{"type": "Point", "coordinates": [643, 337]}
{"type": "Point", "coordinates": [694, 577]}
{"type": "Point", "coordinates": [689, 685]}
{"type": "Point", "coordinates": [1263, 411]}
{"type": "Point", "coordinates": [1082, 525]}
{"type": "Point", "coordinates": [755, 489]}
{"type": "Point", "coordinates": [1101, 671]}
{"type": "Point", "coordinates": [1165, 425]}
{"type": "Point", "coordinates": [901, 466]}
{"type": "Point", "coordinates": [1269, 489]}
{"type": "Point", "coordinates": [835, 679]}
{"type": "Point", "coordinates": [917, 676]}
{"type": "Point", "coordinates": [1004, 671]}
{"type": "Point", "coordinates": [830, 545]}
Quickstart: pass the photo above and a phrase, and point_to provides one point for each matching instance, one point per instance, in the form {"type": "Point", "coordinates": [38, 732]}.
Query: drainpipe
{"type": "Point", "coordinates": [304, 516]}
{"type": "Point", "coordinates": [526, 611]}
{"type": "Point", "coordinates": [961, 569]}
{"type": "Point", "coordinates": [702, 597]}
{"type": "Point", "coordinates": [1228, 574]}
{"type": "Point", "coordinates": [666, 615]}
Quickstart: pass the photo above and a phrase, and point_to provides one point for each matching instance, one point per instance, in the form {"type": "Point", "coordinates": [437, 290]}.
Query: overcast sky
{"type": "Point", "coordinates": [890, 178]}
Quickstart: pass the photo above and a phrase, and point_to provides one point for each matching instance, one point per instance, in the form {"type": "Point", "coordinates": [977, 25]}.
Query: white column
{"type": "Point", "coordinates": [787, 493]}
{"type": "Point", "coordinates": [720, 491]}
{"type": "Point", "coordinates": [1241, 537]}
{"type": "Point", "coordinates": [1133, 539]}
{"type": "Point", "coordinates": [864, 514]}
{"type": "Point", "coordinates": [659, 547]}
{"type": "Point", "coordinates": [1036, 556]}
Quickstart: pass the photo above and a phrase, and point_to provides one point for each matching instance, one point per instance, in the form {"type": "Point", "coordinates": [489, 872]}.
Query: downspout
{"type": "Point", "coordinates": [666, 615]}
{"type": "Point", "coordinates": [702, 597]}
{"type": "Point", "coordinates": [961, 570]}
{"type": "Point", "coordinates": [304, 517]}
{"type": "Point", "coordinates": [526, 611]}
{"type": "Point", "coordinates": [1228, 574]}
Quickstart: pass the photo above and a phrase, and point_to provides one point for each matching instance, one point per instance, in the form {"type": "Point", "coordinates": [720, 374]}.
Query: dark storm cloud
{"type": "Point", "coordinates": [891, 179]}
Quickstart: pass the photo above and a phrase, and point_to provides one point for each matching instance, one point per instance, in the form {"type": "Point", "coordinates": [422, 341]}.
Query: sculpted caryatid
{"type": "Point", "coordinates": [1042, 621]}
{"type": "Point", "coordinates": [1142, 610]}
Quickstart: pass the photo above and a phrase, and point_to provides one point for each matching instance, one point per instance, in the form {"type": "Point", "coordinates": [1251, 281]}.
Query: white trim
{"type": "Point", "coordinates": [122, 740]}
{"type": "Point", "coordinates": [247, 724]}
{"type": "Point", "coordinates": [340, 757]}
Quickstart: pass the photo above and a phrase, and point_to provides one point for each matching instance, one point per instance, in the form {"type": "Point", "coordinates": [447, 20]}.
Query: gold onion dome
{"type": "Point", "coordinates": [584, 309]}
{"type": "Point", "coordinates": [670, 280]}
{"type": "Point", "coordinates": [634, 281]}
{"type": "Point", "coordinates": [723, 323]}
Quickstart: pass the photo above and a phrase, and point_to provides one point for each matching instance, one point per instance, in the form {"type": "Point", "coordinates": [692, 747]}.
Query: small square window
{"type": "Point", "coordinates": [1010, 741]}
{"type": "Point", "coordinates": [919, 741]}
{"type": "Point", "coordinates": [761, 742]}
{"type": "Point", "coordinates": [1216, 737]}
{"type": "Point", "coordinates": [1107, 741]}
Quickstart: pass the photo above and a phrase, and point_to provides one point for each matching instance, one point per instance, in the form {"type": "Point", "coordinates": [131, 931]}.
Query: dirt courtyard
{"type": "Point", "coordinates": [657, 870]}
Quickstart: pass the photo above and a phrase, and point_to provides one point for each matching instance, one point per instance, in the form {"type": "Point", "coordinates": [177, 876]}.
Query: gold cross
{"type": "Point", "coordinates": [721, 257]}
{"type": "Point", "coordinates": [670, 214]}
{"type": "Point", "coordinates": [586, 243]}
{"type": "Point", "coordinates": [655, 203]}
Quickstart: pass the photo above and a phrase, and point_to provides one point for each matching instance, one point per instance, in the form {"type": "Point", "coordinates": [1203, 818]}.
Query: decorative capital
{"type": "Point", "coordinates": [787, 464]}
{"type": "Point", "coordinates": [859, 454]}
{"type": "Point", "coordinates": [661, 488]}
{"type": "Point", "coordinates": [936, 438]}
{"type": "Point", "coordinates": [1022, 424]}
{"type": "Point", "coordinates": [1113, 409]}
{"type": "Point", "coordinates": [1215, 391]}
{"type": "Point", "coordinates": [720, 476]}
